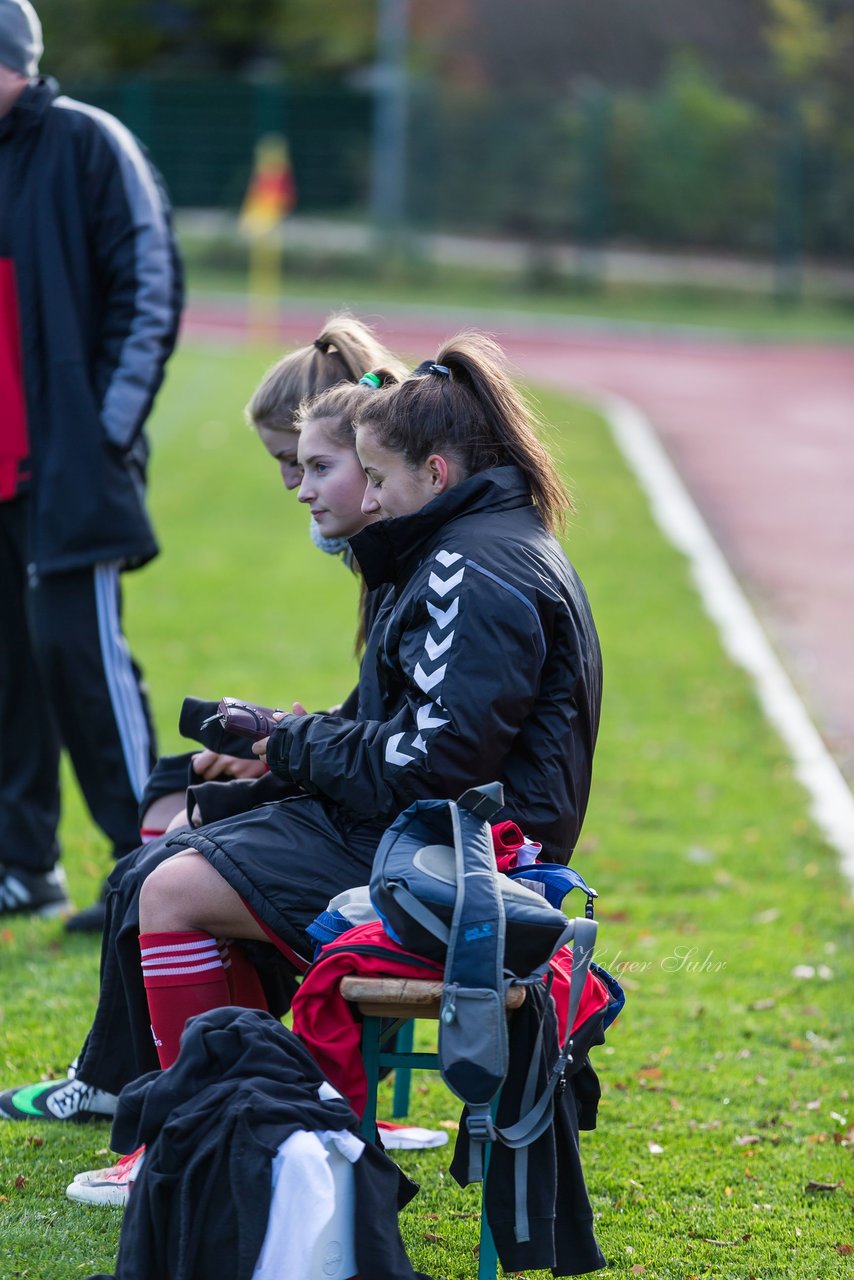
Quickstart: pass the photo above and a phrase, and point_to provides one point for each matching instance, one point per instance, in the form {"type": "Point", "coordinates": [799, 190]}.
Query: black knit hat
{"type": "Point", "coordinates": [20, 37]}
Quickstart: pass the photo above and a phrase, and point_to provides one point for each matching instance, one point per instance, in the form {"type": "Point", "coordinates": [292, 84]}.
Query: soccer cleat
{"type": "Point", "coordinates": [57, 1100]}
{"type": "Point", "coordinates": [110, 1186]}
{"type": "Point", "coordinates": [34, 893]}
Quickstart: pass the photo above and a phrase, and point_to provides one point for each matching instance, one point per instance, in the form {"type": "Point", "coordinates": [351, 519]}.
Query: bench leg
{"type": "Point", "coordinates": [371, 1058]}
{"type": "Point", "coordinates": [487, 1258]}
{"type": "Point", "coordinates": [402, 1075]}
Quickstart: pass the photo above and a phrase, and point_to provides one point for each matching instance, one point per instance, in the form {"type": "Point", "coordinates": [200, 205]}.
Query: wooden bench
{"type": "Point", "coordinates": [389, 1008]}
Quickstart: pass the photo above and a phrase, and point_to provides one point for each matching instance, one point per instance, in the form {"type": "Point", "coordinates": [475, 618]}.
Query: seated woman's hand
{"type": "Point", "coordinates": [210, 765]}
{"type": "Point", "coordinates": [260, 748]}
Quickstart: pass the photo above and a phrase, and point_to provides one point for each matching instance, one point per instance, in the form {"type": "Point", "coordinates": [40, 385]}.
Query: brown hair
{"type": "Point", "coordinates": [343, 351]}
{"type": "Point", "coordinates": [465, 405]}
{"type": "Point", "coordinates": [341, 404]}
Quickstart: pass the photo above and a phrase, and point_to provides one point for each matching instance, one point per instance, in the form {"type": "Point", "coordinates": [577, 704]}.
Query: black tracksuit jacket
{"type": "Point", "coordinates": [483, 664]}
{"type": "Point", "coordinates": [85, 222]}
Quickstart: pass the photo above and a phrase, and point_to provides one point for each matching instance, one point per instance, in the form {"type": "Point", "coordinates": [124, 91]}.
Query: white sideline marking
{"type": "Point", "coordinates": [832, 803]}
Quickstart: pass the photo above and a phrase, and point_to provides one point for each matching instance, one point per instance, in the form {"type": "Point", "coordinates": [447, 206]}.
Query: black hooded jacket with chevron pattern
{"type": "Point", "coordinates": [482, 664]}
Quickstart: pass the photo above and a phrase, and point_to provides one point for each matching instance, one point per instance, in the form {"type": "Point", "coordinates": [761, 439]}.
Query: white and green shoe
{"type": "Point", "coordinates": [57, 1100]}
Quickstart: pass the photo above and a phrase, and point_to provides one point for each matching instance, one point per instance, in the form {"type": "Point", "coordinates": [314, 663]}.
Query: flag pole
{"type": "Point", "coordinates": [269, 199]}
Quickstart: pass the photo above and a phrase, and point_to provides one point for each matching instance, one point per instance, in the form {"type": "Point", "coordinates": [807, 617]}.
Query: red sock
{"type": "Point", "coordinates": [183, 975]}
{"type": "Point", "coordinates": [244, 984]}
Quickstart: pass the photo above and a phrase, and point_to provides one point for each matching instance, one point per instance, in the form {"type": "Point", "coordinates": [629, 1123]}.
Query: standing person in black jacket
{"type": "Point", "coordinates": [90, 297]}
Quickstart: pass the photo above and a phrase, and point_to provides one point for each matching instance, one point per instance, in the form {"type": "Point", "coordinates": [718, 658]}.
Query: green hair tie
{"type": "Point", "coordinates": [371, 380]}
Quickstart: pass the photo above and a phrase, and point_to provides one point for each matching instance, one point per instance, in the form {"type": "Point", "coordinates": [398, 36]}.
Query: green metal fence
{"type": "Point", "coordinates": [685, 169]}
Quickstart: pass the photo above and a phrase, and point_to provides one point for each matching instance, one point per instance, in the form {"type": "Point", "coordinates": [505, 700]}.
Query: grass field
{"type": "Point", "coordinates": [726, 1082]}
{"type": "Point", "coordinates": [366, 287]}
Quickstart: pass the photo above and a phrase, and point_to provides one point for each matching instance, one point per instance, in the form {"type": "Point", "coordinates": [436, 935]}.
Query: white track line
{"type": "Point", "coordinates": [832, 802]}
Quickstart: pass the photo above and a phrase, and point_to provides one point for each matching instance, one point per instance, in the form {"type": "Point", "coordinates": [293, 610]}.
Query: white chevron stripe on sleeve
{"type": "Point", "coordinates": [443, 617]}
{"type": "Point", "coordinates": [392, 755]}
{"type": "Point", "coordinates": [427, 721]}
{"type": "Point", "coordinates": [435, 648]}
{"type": "Point", "coordinates": [418, 744]}
{"type": "Point", "coordinates": [442, 588]}
{"type": "Point", "coordinates": [428, 682]}
{"type": "Point", "coordinates": [448, 557]}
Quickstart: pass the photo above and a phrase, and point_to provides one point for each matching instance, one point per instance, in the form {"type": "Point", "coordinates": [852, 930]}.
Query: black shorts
{"type": "Point", "coordinates": [286, 860]}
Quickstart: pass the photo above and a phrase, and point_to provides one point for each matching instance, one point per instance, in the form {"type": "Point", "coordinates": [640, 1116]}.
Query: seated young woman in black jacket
{"type": "Point", "coordinates": [483, 663]}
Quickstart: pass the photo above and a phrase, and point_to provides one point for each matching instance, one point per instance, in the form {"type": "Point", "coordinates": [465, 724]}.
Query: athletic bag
{"type": "Point", "coordinates": [436, 887]}
{"type": "Point", "coordinates": [415, 877]}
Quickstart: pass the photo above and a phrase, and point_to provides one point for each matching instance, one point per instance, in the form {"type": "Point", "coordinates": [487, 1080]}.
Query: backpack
{"type": "Point", "coordinates": [421, 860]}
{"type": "Point", "coordinates": [436, 887]}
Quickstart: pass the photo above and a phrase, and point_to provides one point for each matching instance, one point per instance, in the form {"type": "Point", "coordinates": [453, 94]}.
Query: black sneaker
{"type": "Point", "coordinates": [34, 893]}
{"type": "Point", "coordinates": [90, 919]}
{"type": "Point", "coordinates": [57, 1100]}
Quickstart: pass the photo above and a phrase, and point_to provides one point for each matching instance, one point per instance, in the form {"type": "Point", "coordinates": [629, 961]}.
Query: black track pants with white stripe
{"type": "Point", "coordinates": [66, 676]}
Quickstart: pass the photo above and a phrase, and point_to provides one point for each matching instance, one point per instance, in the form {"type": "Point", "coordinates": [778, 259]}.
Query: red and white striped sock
{"type": "Point", "coordinates": [183, 975]}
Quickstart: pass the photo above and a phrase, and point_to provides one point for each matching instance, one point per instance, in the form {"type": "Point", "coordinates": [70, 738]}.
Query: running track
{"type": "Point", "coordinates": [762, 435]}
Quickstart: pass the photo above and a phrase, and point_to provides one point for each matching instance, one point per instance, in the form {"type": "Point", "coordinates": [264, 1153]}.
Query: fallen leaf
{"type": "Point", "coordinates": [453, 1125]}
{"type": "Point", "coordinates": [722, 1243]}
{"type": "Point", "coordinates": [760, 1005]}
{"type": "Point", "coordinates": [431, 1238]}
{"type": "Point", "coordinates": [748, 1140]}
{"type": "Point", "coordinates": [21, 1181]}
{"type": "Point", "coordinates": [638, 1269]}
{"type": "Point", "coordinates": [803, 971]}
{"type": "Point", "coordinates": [845, 1249]}
{"type": "Point", "coordinates": [727, 1191]}
{"type": "Point", "coordinates": [654, 1149]}
{"type": "Point", "coordinates": [650, 1073]}
{"type": "Point", "coordinates": [33, 1141]}
{"type": "Point", "coordinates": [822, 1186]}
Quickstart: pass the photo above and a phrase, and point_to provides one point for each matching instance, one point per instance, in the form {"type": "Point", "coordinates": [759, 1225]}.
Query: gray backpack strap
{"type": "Point", "coordinates": [473, 1047]}
{"type": "Point", "coordinates": [416, 908]}
{"type": "Point", "coordinates": [538, 1118]}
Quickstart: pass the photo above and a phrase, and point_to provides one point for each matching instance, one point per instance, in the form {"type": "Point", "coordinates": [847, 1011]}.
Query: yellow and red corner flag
{"type": "Point", "coordinates": [271, 193]}
{"type": "Point", "coordinates": [270, 196]}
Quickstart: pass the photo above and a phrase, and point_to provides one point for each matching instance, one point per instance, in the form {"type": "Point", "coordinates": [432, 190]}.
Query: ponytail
{"type": "Point", "coordinates": [464, 404]}
{"type": "Point", "coordinates": [343, 351]}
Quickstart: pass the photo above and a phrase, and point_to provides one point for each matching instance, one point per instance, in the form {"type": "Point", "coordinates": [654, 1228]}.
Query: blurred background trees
{"type": "Point", "coordinates": [671, 123]}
